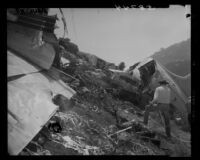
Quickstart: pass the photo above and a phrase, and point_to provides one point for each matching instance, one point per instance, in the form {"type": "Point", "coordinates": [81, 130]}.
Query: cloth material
{"type": "Point", "coordinates": [164, 109]}
{"type": "Point", "coordinates": [162, 95]}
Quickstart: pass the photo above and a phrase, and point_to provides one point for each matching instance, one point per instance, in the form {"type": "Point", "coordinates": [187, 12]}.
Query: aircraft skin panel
{"type": "Point", "coordinates": [32, 106]}
{"type": "Point", "coordinates": [30, 103]}
{"type": "Point", "coordinates": [18, 66]}
{"type": "Point", "coordinates": [24, 41]}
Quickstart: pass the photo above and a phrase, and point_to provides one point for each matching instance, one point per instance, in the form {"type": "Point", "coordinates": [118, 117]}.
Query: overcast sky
{"type": "Point", "coordinates": [124, 35]}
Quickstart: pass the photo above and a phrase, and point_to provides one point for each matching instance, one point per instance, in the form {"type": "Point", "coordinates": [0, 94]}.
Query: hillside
{"type": "Point", "coordinates": [104, 117]}
{"type": "Point", "coordinates": [176, 57]}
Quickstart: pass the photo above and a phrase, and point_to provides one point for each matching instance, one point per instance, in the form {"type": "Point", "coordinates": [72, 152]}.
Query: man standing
{"type": "Point", "coordinates": [162, 97]}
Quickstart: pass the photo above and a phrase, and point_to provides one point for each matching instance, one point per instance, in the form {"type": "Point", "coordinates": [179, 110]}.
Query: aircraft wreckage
{"type": "Point", "coordinates": [150, 72]}
{"type": "Point", "coordinates": [32, 80]}
{"type": "Point", "coordinates": [82, 108]}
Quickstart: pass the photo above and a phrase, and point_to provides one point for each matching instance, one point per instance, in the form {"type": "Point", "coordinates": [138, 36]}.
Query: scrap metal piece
{"type": "Point", "coordinates": [30, 103]}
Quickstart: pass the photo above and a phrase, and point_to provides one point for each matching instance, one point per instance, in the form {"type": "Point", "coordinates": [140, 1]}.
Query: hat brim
{"type": "Point", "coordinates": [163, 82]}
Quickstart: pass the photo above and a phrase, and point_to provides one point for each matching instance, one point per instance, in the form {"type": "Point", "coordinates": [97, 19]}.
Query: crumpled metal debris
{"type": "Point", "coordinates": [98, 113]}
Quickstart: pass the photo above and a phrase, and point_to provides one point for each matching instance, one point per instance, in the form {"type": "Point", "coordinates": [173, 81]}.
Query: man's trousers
{"type": "Point", "coordinates": [164, 109]}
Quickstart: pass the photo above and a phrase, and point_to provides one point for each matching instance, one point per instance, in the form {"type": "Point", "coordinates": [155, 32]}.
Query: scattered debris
{"type": "Point", "coordinates": [103, 122]}
{"type": "Point", "coordinates": [103, 116]}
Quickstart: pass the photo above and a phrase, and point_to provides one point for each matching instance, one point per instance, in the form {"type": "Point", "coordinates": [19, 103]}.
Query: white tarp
{"type": "Point", "coordinates": [181, 99]}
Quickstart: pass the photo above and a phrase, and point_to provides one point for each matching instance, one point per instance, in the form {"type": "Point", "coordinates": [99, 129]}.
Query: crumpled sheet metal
{"type": "Point", "coordinates": [29, 108]}
{"type": "Point", "coordinates": [20, 39]}
{"type": "Point", "coordinates": [17, 65]}
{"type": "Point", "coordinates": [30, 104]}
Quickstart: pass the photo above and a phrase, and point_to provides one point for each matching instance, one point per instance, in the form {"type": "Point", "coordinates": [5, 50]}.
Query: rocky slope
{"type": "Point", "coordinates": [100, 109]}
{"type": "Point", "coordinates": [176, 58]}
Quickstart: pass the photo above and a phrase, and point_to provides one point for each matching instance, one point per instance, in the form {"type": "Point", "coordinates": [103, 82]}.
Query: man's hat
{"type": "Point", "coordinates": [163, 82]}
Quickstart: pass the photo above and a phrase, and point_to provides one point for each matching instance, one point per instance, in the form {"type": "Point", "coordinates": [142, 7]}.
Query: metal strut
{"type": "Point", "coordinates": [64, 22]}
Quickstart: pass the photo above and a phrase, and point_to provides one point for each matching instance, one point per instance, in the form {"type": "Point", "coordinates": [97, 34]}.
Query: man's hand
{"type": "Point", "coordinates": [153, 103]}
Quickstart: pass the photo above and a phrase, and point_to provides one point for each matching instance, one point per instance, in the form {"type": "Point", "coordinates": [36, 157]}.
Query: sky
{"type": "Point", "coordinates": [125, 34]}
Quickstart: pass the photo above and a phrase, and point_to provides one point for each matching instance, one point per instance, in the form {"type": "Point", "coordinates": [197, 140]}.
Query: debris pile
{"type": "Point", "coordinates": [106, 117]}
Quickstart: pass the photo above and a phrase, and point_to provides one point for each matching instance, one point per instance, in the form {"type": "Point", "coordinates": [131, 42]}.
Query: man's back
{"type": "Point", "coordinates": [162, 94]}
